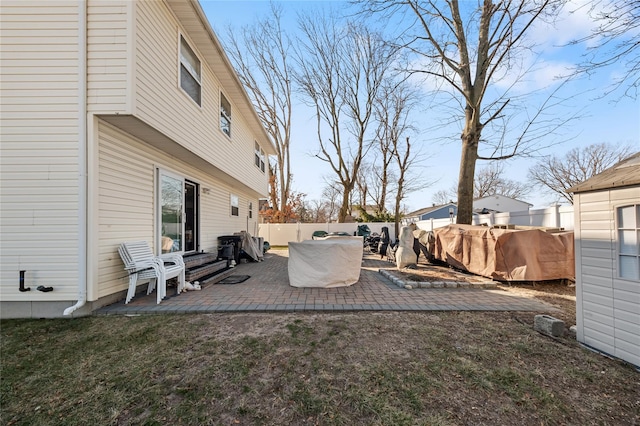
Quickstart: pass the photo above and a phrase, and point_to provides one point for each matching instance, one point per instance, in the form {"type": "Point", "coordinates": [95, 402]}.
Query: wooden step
{"type": "Point", "coordinates": [194, 260]}
{"type": "Point", "coordinates": [196, 273]}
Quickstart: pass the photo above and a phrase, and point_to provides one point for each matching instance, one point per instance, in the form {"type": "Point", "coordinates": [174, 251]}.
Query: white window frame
{"type": "Point", "coordinates": [225, 114]}
{"type": "Point", "coordinates": [160, 172]}
{"type": "Point", "coordinates": [194, 70]}
{"type": "Point", "coordinates": [234, 203]}
{"type": "Point", "coordinates": [631, 229]}
{"type": "Point", "coordinates": [258, 156]}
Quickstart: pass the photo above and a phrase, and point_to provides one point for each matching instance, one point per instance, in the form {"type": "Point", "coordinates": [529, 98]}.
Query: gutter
{"type": "Point", "coordinates": [82, 160]}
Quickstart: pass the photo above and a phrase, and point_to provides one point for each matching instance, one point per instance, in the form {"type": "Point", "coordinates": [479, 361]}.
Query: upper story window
{"type": "Point", "coordinates": [259, 156]}
{"type": "Point", "coordinates": [225, 115]}
{"type": "Point", "coordinates": [629, 242]}
{"type": "Point", "coordinates": [190, 72]}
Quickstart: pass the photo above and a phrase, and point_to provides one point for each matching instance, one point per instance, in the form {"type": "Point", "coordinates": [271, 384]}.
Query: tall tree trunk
{"type": "Point", "coordinates": [344, 207]}
{"type": "Point", "coordinates": [396, 219]}
{"type": "Point", "coordinates": [467, 171]}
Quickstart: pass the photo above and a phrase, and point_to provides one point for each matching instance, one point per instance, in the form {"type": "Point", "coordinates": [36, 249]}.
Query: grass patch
{"type": "Point", "coordinates": [333, 369]}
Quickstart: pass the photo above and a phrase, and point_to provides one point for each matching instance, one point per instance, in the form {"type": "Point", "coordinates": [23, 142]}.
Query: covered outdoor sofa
{"type": "Point", "coordinates": [332, 262]}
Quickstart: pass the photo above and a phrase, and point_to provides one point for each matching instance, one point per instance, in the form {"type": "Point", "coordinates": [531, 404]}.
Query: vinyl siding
{"type": "Point", "coordinates": [109, 56]}
{"type": "Point", "coordinates": [39, 151]}
{"type": "Point", "coordinates": [161, 102]}
{"type": "Point", "coordinates": [607, 306]}
{"type": "Point", "coordinates": [127, 204]}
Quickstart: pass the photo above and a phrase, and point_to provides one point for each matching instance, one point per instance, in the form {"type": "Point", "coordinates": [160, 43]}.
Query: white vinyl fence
{"type": "Point", "coordinates": [552, 217]}
{"type": "Point", "coordinates": [279, 234]}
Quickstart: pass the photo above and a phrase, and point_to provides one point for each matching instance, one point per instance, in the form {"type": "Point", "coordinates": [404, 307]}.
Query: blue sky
{"type": "Point", "coordinates": [613, 119]}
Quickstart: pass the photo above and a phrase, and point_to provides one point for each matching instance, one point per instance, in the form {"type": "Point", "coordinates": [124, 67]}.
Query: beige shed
{"type": "Point", "coordinates": [607, 241]}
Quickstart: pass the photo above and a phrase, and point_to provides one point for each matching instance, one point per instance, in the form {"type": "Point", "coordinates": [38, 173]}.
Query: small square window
{"type": "Point", "coordinates": [235, 210]}
{"type": "Point", "coordinates": [225, 115]}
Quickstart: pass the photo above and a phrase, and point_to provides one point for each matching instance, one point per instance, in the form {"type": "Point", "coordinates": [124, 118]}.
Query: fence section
{"type": "Point", "coordinates": [279, 234]}
{"type": "Point", "coordinates": [552, 217]}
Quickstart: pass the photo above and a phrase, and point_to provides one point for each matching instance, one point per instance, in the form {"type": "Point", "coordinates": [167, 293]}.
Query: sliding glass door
{"type": "Point", "coordinates": [191, 237]}
{"type": "Point", "coordinates": [178, 213]}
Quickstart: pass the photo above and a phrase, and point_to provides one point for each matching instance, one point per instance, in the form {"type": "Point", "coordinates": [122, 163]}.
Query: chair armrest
{"type": "Point", "coordinates": [172, 257]}
{"type": "Point", "coordinates": [140, 266]}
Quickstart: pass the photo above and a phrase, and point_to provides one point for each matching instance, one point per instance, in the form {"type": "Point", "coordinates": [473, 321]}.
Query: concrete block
{"type": "Point", "coordinates": [548, 325]}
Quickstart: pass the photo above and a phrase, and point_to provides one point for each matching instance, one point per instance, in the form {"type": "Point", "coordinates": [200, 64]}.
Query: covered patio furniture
{"type": "Point", "coordinates": [141, 264]}
{"type": "Point", "coordinates": [528, 254]}
{"type": "Point", "coordinates": [318, 234]}
{"type": "Point", "coordinates": [333, 262]}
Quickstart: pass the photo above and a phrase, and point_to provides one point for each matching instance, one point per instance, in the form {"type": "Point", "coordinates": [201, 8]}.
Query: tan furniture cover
{"type": "Point", "coordinates": [507, 254]}
{"type": "Point", "coordinates": [332, 262]}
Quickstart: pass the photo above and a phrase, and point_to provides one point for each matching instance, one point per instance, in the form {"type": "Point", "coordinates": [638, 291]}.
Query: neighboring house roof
{"type": "Point", "coordinates": [624, 173]}
{"type": "Point", "coordinates": [504, 197]}
{"type": "Point", "coordinates": [482, 209]}
{"type": "Point", "coordinates": [426, 210]}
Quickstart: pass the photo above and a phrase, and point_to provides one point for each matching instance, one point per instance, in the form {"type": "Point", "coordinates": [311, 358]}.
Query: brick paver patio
{"type": "Point", "coordinates": [268, 290]}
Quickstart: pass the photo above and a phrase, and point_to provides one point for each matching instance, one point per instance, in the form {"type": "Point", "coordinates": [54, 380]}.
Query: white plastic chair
{"type": "Point", "coordinates": [142, 265]}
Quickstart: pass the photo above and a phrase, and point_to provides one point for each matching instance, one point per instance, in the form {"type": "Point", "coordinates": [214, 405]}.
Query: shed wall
{"type": "Point", "coordinates": [607, 306]}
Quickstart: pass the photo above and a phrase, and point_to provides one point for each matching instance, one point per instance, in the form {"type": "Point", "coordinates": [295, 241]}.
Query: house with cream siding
{"type": "Point", "coordinates": [121, 121]}
{"type": "Point", "coordinates": [607, 248]}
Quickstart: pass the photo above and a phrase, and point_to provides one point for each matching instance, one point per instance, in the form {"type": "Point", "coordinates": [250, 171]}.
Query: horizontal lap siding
{"type": "Point", "coordinates": [161, 102]}
{"type": "Point", "coordinates": [608, 306]}
{"type": "Point", "coordinates": [126, 195]}
{"type": "Point", "coordinates": [107, 56]}
{"type": "Point", "coordinates": [125, 188]}
{"type": "Point", "coordinates": [39, 152]}
{"type": "Point", "coordinates": [626, 295]}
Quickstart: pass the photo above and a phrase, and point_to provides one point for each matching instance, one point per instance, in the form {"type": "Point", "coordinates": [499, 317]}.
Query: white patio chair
{"type": "Point", "coordinates": [142, 265]}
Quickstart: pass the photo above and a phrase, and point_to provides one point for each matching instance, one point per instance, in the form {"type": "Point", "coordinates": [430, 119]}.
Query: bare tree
{"type": "Point", "coordinates": [262, 59]}
{"type": "Point", "coordinates": [341, 68]}
{"type": "Point", "coordinates": [378, 175]}
{"type": "Point", "coordinates": [362, 183]}
{"type": "Point", "coordinates": [467, 50]}
{"type": "Point", "coordinates": [394, 105]}
{"type": "Point", "coordinates": [614, 41]}
{"type": "Point", "coordinates": [558, 174]}
{"type": "Point", "coordinates": [490, 180]}
{"type": "Point", "coordinates": [319, 211]}
{"type": "Point", "coordinates": [332, 194]}
{"type": "Point", "coordinates": [441, 197]}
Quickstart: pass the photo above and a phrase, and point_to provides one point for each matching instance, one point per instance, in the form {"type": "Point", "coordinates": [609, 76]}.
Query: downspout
{"type": "Point", "coordinates": [82, 159]}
